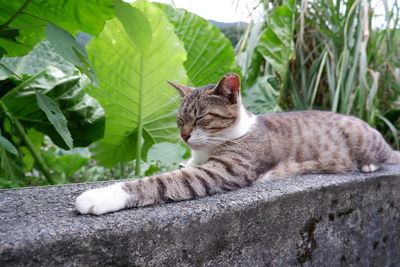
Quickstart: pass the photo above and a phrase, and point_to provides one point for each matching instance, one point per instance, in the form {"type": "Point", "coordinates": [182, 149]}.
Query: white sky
{"type": "Point", "coordinates": [243, 10]}
{"type": "Point", "coordinates": [219, 10]}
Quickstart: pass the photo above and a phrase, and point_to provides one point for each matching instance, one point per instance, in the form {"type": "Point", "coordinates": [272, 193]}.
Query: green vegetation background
{"type": "Point", "coordinates": [83, 92]}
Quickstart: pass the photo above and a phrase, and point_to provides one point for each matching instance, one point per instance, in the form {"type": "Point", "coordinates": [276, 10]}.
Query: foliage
{"type": "Point", "coordinates": [276, 43]}
{"type": "Point", "coordinates": [269, 47]}
{"type": "Point", "coordinates": [262, 96]}
{"type": "Point", "coordinates": [234, 32]}
{"type": "Point", "coordinates": [209, 53]}
{"type": "Point", "coordinates": [338, 62]}
{"type": "Point", "coordinates": [139, 103]}
{"type": "Point", "coordinates": [23, 21]}
{"type": "Point", "coordinates": [164, 157]}
{"type": "Point", "coordinates": [343, 64]}
{"type": "Point", "coordinates": [57, 107]}
{"type": "Point", "coordinates": [35, 94]}
{"type": "Point", "coordinates": [39, 58]}
{"type": "Point", "coordinates": [111, 97]}
{"type": "Point", "coordinates": [125, 68]}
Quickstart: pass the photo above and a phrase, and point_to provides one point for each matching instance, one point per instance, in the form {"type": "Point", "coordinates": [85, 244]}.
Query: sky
{"type": "Point", "coordinates": [243, 10]}
{"type": "Point", "coordinates": [219, 10]}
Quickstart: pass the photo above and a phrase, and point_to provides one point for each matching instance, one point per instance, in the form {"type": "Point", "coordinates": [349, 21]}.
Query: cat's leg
{"type": "Point", "coordinates": [198, 157]}
{"type": "Point", "coordinates": [216, 176]}
{"type": "Point", "coordinates": [327, 165]}
{"type": "Point", "coordinates": [370, 167]}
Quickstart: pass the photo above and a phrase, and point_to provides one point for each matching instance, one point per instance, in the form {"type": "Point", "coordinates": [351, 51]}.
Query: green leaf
{"type": "Point", "coordinates": [166, 153]}
{"type": "Point", "coordinates": [67, 47]}
{"type": "Point", "coordinates": [55, 116]}
{"type": "Point", "coordinates": [135, 24]}
{"type": "Point", "coordinates": [64, 164]}
{"type": "Point", "coordinates": [140, 106]}
{"type": "Point", "coordinates": [84, 114]}
{"type": "Point", "coordinates": [7, 145]}
{"type": "Point", "coordinates": [42, 56]}
{"type": "Point", "coordinates": [392, 128]}
{"type": "Point", "coordinates": [262, 96]}
{"type": "Point", "coordinates": [209, 53]}
{"type": "Point", "coordinates": [37, 141]}
{"type": "Point", "coordinates": [164, 157]}
{"type": "Point", "coordinates": [26, 39]}
{"type": "Point", "coordinates": [276, 44]}
{"type": "Point", "coordinates": [30, 18]}
{"type": "Point", "coordinates": [2, 52]}
{"type": "Point", "coordinates": [10, 166]}
{"type": "Point", "coordinates": [250, 60]}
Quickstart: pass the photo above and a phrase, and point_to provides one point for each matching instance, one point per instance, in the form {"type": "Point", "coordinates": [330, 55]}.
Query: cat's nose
{"type": "Point", "coordinates": [185, 136]}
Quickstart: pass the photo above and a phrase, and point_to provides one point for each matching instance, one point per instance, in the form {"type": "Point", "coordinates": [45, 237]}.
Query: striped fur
{"type": "Point", "coordinates": [272, 145]}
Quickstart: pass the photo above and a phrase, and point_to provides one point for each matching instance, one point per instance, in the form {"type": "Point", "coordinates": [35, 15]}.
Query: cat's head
{"type": "Point", "coordinates": [208, 114]}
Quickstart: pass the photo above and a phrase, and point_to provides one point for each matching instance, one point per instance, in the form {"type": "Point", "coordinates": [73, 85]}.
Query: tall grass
{"type": "Point", "coordinates": [343, 63]}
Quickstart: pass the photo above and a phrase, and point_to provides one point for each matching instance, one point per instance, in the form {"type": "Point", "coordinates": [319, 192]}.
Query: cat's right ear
{"type": "Point", "coordinates": [183, 90]}
{"type": "Point", "coordinates": [229, 87]}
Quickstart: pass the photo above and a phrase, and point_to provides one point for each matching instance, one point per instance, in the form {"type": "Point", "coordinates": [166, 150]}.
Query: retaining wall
{"type": "Point", "coordinates": [310, 220]}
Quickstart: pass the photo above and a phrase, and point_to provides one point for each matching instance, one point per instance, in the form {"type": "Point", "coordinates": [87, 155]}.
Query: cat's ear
{"type": "Point", "coordinates": [229, 87]}
{"type": "Point", "coordinates": [183, 90]}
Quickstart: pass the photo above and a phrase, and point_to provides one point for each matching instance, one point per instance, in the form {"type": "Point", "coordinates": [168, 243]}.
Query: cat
{"type": "Point", "coordinates": [233, 148]}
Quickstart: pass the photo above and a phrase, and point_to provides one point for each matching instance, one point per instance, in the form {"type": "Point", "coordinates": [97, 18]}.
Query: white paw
{"type": "Point", "coordinates": [369, 168]}
{"type": "Point", "coordinates": [102, 200]}
{"type": "Point", "coordinates": [267, 177]}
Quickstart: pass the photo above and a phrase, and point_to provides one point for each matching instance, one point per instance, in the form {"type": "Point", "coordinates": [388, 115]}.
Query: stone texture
{"type": "Point", "coordinates": [310, 220]}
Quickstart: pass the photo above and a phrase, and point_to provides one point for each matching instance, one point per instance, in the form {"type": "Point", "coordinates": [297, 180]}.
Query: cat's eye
{"type": "Point", "coordinates": [201, 117]}
{"type": "Point", "coordinates": [179, 122]}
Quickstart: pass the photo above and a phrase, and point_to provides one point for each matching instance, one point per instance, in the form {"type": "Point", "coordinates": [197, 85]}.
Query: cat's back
{"type": "Point", "coordinates": [317, 122]}
{"type": "Point", "coordinates": [307, 116]}
{"type": "Point", "coordinates": [301, 136]}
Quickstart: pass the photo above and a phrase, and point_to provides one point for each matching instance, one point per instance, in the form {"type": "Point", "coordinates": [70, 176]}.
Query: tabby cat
{"type": "Point", "coordinates": [232, 148]}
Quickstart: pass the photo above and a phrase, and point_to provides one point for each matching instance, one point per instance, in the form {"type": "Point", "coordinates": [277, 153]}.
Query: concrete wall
{"type": "Point", "coordinates": [310, 220]}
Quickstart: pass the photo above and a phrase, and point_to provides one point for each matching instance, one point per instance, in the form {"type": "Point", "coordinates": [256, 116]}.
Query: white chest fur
{"type": "Point", "coordinates": [198, 157]}
{"type": "Point", "coordinates": [246, 121]}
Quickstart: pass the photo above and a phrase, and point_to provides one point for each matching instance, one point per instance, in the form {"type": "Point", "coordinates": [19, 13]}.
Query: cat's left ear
{"type": "Point", "coordinates": [229, 87]}
{"type": "Point", "coordinates": [183, 90]}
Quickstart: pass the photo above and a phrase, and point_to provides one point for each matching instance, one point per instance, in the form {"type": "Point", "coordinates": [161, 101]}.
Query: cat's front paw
{"type": "Point", "coordinates": [102, 200]}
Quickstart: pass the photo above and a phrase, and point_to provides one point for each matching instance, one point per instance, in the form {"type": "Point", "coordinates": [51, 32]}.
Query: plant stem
{"type": "Point", "coordinates": [24, 5]}
{"type": "Point", "coordinates": [122, 170]}
{"type": "Point", "coordinates": [140, 126]}
{"type": "Point", "coordinates": [21, 131]}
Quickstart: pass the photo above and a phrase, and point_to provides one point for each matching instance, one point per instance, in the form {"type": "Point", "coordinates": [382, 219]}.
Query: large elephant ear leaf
{"type": "Point", "coordinates": [140, 105]}
{"type": "Point", "coordinates": [135, 24]}
{"type": "Point", "coordinates": [210, 54]}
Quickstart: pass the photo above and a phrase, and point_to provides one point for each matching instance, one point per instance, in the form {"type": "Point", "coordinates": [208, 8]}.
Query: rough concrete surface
{"type": "Point", "coordinates": [310, 220]}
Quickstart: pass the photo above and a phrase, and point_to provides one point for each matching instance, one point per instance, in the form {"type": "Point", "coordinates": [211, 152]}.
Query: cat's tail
{"type": "Point", "coordinates": [395, 157]}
